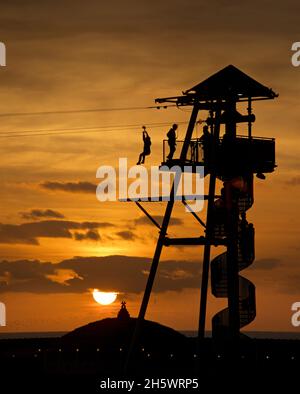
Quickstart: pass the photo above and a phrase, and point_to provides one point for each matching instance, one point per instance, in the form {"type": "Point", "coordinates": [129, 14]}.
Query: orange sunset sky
{"type": "Point", "coordinates": [56, 240]}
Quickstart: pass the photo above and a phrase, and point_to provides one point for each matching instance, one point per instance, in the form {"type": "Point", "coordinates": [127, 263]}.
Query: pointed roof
{"type": "Point", "coordinates": [230, 81]}
{"type": "Point", "coordinates": [123, 313]}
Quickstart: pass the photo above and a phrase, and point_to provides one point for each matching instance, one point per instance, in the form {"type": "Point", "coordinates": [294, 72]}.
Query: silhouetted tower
{"type": "Point", "coordinates": [123, 313]}
{"type": "Point", "coordinates": [233, 159]}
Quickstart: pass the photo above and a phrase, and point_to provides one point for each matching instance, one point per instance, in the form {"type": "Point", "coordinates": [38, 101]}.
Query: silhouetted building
{"type": "Point", "coordinates": [123, 313]}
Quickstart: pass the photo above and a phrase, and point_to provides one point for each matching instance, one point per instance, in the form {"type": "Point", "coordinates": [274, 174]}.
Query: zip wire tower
{"type": "Point", "coordinates": [233, 159]}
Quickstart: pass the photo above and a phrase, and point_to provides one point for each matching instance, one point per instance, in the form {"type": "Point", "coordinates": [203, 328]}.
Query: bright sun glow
{"type": "Point", "coordinates": [104, 298]}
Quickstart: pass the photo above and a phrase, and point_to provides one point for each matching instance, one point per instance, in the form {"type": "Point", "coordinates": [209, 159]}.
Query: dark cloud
{"type": "Point", "coordinates": [41, 213]}
{"type": "Point", "coordinates": [51, 19]}
{"type": "Point", "coordinates": [285, 280]}
{"type": "Point", "coordinates": [159, 218]}
{"type": "Point", "coordinates": [295, 181]}
{"type": "Point", "coordinates": [28, 233]}
{"type": "Point", "coordinates": [72, 187]}
{"type": "Point", "coordinates": [125, 274]}
{"type": "Point", "coordinates": [265, 264]}
{"type": "Point", "coordinates": [127, 235]}
{"type": "Point", "coordinates": [289, 283]}
{"type": "Point", "coordinates": [122, 30]}
{"type": "Point", "coordinates": [91, 235]}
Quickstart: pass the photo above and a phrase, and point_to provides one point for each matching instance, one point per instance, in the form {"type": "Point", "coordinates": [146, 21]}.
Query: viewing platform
{"type": "Point", "coordinates": [239, 155]}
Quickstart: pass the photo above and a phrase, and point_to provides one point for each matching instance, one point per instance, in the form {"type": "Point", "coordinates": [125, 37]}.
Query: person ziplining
{"type": "Point", "coordinates": [146, 150]}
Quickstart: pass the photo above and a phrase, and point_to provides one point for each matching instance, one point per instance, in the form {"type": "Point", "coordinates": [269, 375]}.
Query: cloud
{"type": "Point", "coordinates": [40, 213]}
{"type": "Point", "coordinates": [295, 181]}
{"type": "Point", "coordinates": [91, 235]}
{"type": "Point", "coordinates": [143, 220]}
{"type": "Point", "coordinates": [285, 280]}
{"type": "Point", "coordinates": [62, 276]}
{"type": "Point", "coordinates": [289, 283]}
{"type": "Point", "coordinates": [127, 235]}
{"type": "Point", "coordinates": [125, 274]}
{"type": "Point", "coordinates": [71, 187]}
{"type": "Point", "coordinates": [265, 264]}
{"type": "Point", "coordinates": [28, 233]}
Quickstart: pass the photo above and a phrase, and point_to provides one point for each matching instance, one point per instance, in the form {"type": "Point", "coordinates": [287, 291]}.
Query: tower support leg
{"type": "Point", "coordinates": [232, 264]}
{"type": "Point", "coordinates": [160, 242]}
{"type": "Point", "coordinates": [209, 230]}
{"type": "Point", "coordinates": [206, 259]}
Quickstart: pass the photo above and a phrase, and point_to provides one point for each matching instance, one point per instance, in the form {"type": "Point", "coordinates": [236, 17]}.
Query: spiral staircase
{"type": "Point", "coordinates": [219, 265]}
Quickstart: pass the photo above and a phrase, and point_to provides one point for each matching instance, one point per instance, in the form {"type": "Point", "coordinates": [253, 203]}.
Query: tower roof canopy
{"type": "Point", "coordinates": [228, 82]}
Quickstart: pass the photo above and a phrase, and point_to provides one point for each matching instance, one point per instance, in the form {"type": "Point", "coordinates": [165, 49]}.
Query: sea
{"type": "Point", "coordinates": [188, 333]}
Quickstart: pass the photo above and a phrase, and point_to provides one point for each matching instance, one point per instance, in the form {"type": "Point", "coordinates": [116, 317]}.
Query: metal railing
{"type": "Point", "coordinates": [255, 153]}
{"type": "Point", "coordinates": [194, 154]}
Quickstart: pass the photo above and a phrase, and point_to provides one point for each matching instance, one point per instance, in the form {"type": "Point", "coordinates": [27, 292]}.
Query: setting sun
{"type": "Point", "coordinates": [104, 298]}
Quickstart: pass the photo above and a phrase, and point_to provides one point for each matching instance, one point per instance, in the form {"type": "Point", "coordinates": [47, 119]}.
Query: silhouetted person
{"type": "Point", "coordinates": [147, 144]}
{"type": "Point", "coordinates": [206, 139]}
{"type": "Point", "coordinates": [171, 134]}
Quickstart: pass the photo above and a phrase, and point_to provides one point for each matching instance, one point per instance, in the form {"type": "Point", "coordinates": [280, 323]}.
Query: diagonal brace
{"type": "Point", "coordinates": [148, 215]}
{"type": "Point", "coordinates": [193, 213]}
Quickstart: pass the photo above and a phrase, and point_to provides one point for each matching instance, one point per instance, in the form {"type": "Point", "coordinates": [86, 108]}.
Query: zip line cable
{"type": "Point", "coordinates": [85, 110]}
{"type": "Point", "coordinates": [71, 130]}
{"type": "Point", "coordinates": [85, 128]}
{"type": "Point", "coordinates": [75, 130]}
